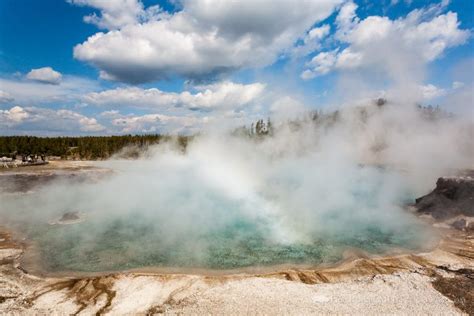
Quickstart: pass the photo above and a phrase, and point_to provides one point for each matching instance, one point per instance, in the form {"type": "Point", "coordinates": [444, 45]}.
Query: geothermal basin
{"type": "Point", "coordinates": [168, 219]}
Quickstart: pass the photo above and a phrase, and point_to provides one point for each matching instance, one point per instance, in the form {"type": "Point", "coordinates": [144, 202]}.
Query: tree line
{"type": "Point", "coordinates": [102, 147]}
{"type": "Point", "coordinates": [87, 147]}
{"type": "Point", "coordinates": [260, 128]}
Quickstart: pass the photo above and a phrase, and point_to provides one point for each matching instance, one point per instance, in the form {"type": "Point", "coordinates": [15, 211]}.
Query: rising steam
{"type": "Point", "coordinates": [329, 177]}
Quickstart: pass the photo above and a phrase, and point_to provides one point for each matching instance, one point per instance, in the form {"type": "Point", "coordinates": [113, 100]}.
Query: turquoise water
{"type": "Point", "coordinates": [134, 242]}
{"type": "Point", "coordinates": [180, 219]}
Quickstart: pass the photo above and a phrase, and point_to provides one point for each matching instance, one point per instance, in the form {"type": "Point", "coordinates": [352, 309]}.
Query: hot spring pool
{"type": "Point", "coordinates": [180, 217]}
{"type": "Point", "coordinates": [133, 243]}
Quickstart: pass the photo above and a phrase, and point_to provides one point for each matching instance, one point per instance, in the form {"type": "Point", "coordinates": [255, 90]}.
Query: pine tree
{"type": "Point", "coordinates": [269, 127]}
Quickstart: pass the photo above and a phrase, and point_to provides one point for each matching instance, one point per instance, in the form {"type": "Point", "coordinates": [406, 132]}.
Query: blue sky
{"type": "Point", "coordinates": [129, 66]}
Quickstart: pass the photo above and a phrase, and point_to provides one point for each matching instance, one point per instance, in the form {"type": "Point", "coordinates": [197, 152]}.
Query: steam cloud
{"type": "Point", "coordinates": [334, 176]}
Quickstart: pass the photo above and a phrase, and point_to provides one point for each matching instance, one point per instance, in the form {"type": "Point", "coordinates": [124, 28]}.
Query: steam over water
{"type": "Point", "coordinates": [154, 219]}
{"type": "Point", "coordinates": [301, 196]}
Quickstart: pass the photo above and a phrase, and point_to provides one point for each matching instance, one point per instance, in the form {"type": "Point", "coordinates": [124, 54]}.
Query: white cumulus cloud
{"type": "Point", "coordinates": [45, 75]}
{"type": "Point", "coordinates": [206, 38]}
{"type": "Point", "coordinates": [13, 116]}
{"type": "Point", "coordinates": [312, 40]}
{"type": "Point", "coordinates": [28, 92]}
{"type": "Point", "coordinates": [320, 64]}
{"type": "Point", "coordinates": [46, 121]}
{"type": "Point", "coordinates": [219, 95]}
{"type": "Point", "coordinates": [430, 91]}
{"type": "Point", "coordinates": [115, 14]}
{"type": "Point", "coordinates": [397, 47]}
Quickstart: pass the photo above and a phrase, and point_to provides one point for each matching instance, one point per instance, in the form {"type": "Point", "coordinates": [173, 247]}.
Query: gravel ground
{"type": "Point", "coordinates": [401, 293]}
